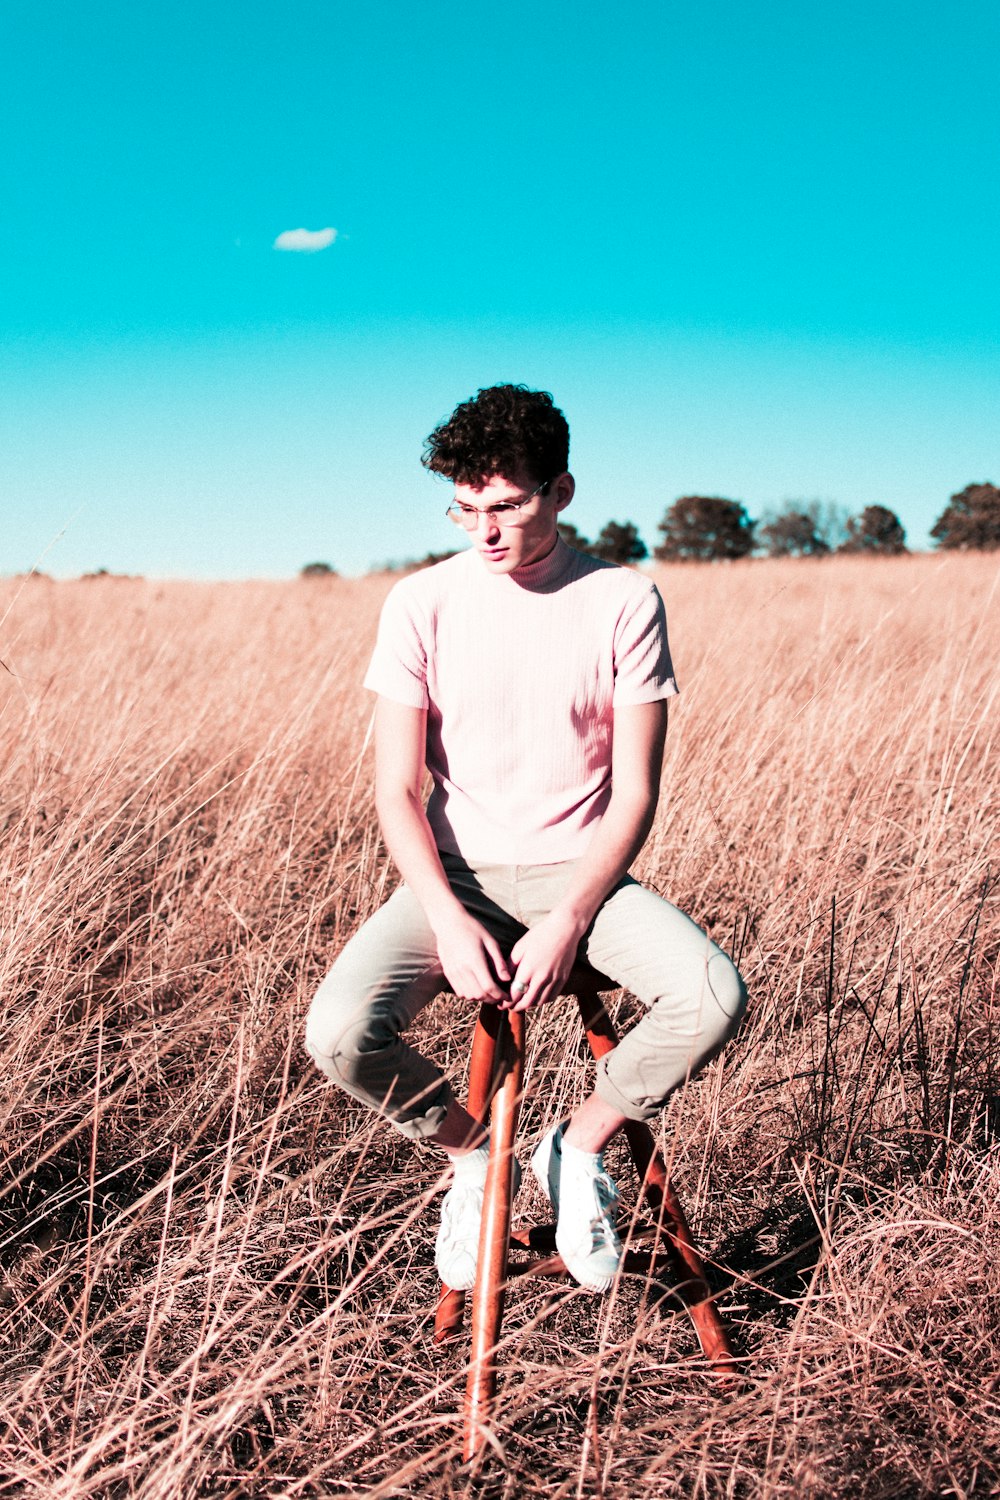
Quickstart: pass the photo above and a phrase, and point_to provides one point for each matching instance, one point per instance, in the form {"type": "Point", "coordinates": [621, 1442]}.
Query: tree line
{"type": "Point", "coordinates": [707, 527]}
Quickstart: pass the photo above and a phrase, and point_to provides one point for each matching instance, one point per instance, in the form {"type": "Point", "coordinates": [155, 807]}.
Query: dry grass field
{"type": "Point", "coordinates": [217, 1275]}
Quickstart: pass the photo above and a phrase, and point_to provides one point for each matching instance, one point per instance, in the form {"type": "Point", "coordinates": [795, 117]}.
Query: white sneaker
{"type": "Point", "coordinates": [456, 1250]}
{"type": "Point", "coordinates": [584, 1198]}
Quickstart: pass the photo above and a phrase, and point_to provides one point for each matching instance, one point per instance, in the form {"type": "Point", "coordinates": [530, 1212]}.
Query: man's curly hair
{"type": "Point", "coordinates": [502, 429]}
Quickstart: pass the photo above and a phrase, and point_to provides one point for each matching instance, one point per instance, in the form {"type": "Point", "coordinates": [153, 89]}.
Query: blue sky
{"type": "Point", "coordinates": [751, 249]}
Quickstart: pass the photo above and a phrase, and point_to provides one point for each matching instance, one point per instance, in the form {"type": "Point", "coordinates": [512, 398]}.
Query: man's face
{"type": "Point", "coordinates": [530, 532]}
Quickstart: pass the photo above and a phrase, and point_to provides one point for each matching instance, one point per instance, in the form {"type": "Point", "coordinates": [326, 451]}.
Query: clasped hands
{"type": "Point", "coordinates": [539, 965]}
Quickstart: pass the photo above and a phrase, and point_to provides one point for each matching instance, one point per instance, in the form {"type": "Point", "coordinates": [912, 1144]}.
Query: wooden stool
{"type": "Point", "coordinates": [496, 1076]}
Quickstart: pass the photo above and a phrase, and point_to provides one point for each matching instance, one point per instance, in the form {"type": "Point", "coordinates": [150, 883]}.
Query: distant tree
{"type": "Point", "coordinates": [318, 570]}
{"type": "Point", "coordinates": [701, 526]}
{"type": "Point", "coordinates": [877, 529]}
{"type": "Point", "coordinates": [572, 537]}
{"type": "Point", "coordinates": [829, 520]}
{"type": "Point", "coordinates": [792, 534]}
{"type": "Point", "coordinates": [971, 520]}
{"type": "Point", "coordinates": [620, 542]}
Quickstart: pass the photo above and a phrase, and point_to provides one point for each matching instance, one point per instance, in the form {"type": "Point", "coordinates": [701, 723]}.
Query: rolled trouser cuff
{"type": "Point", "coordinates": [608, 1091]}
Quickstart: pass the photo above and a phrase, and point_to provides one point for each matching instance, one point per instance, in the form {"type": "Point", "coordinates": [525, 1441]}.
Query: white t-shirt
{"type": "Point", "coordinates": [520, 674]}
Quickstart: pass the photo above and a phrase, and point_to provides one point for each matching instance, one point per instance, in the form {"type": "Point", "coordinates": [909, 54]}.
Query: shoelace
{"type": "Point", "coordinates": [602, 1228]}
{"type": "Point", "coordinates": [461, 1199]}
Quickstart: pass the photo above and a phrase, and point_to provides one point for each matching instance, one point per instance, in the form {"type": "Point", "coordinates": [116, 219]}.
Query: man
{"type": "Point", "coordinates": [532, 682]}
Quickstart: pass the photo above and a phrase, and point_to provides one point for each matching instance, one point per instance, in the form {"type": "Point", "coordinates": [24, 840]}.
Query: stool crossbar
{"type": "Point", "coordinates": [496, 1077]}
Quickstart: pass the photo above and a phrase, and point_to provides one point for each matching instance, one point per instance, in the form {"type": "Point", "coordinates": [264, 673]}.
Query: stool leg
{"type": "Point", "coordinates": [494, 1238]}
{"type": "Point", "coordinates": [451, 1304]}
{"type": "Point", "coordinates": [656, 1186]}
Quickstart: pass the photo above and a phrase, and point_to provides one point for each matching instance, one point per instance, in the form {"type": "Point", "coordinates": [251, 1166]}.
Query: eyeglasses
{"type": "Point", "coordinates": [503, 513]}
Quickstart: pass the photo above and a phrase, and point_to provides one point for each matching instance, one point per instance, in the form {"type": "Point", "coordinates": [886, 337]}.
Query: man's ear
{"type": "Point", "coordinates": [562, 488]}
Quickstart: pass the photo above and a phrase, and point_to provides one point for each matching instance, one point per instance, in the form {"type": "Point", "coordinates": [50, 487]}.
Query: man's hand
{"type": "Point", "coordinates": [473, 964]}
{"type": "Point", "coordinates": [544, 957]}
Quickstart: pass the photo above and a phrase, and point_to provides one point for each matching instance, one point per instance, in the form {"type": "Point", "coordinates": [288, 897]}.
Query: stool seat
{"type": "Point", "coordinates": [496, 1075]}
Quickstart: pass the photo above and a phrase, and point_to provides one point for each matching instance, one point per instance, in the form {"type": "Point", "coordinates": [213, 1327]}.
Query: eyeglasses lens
{"type": "Point", "coordinates": [496, 515]}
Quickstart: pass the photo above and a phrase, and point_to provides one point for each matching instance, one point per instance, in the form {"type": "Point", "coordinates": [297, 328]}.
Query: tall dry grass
{"type": "Point", "coordinates": [217, 1274]}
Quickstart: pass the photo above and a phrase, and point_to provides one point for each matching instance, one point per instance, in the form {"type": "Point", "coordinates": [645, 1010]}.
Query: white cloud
{"type": "Point", "coordinates": [309, 240]}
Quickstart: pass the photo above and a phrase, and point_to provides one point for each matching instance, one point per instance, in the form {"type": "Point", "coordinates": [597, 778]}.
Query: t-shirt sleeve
{"type": "Point", "coordinates": [644, 672]}
{"type": "Point", "coordinates": [398, 668]}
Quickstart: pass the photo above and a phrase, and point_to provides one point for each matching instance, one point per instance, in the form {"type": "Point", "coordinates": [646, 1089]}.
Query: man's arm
{"type": "Point", "coordinates": [545, 955]}
{"type": "Point", "coordinates": [471, 959]}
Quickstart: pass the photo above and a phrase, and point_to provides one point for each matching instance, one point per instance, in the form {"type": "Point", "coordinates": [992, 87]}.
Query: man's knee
{"type": "Point", "coordinates": [344, 1039]}
{"type": "Point", "coordinates": [359, 1047]}
{"type": "Point", "coordinates": [703, 1008]}
{"type": "Point", "coordinates": [681, 1032]}
{"type": "Point", "coordinates": [704, 997]}
{"type": "Point", "coordinates": [729, 992]}
{"type": "Point", "coordinates": [347, 1055]}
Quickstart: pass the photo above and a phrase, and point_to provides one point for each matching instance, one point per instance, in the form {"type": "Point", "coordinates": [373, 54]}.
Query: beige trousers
{"type": "Point", "coordinates": [693, 994]}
